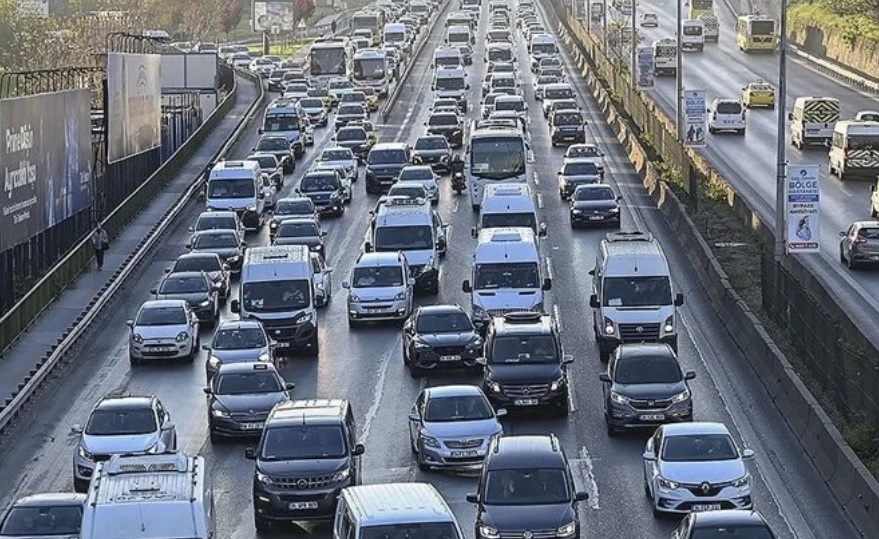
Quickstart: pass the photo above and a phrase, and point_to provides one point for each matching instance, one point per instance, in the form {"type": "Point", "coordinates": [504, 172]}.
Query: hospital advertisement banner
{"type": "Point", "coordinates": [802, 209]}
{"type": "Point", "coordinates": [695, 118]}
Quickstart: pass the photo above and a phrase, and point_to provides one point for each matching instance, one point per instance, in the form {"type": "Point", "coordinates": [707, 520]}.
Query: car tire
{"type": "Point", "coordinates": [262, 525]}
{"type": "Point", "coordinates": [353, 324]}
{"type": "Point", "coordinates": [414, 372]}
{"type": "Point", "coordinates": [134, 361]}
{"type": "Point", "coordinates": [421, 465]}
{"type": "Point", "coordinates": [657, 514]}
{"type": "Point", "coordinates": [603, 355]}
{"type": "Point", "coordinates": [314, 346]}
{"type": "Point", "coordinates": [852, 265]}
{"type": "Point", "coordinates": [434, 288]}
{"type": "Point", "coordinates": [80, 485]}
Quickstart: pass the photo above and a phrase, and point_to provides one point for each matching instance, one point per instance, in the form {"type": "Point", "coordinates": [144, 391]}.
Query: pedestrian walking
{"type": "Point", "coordinates": [100, 243]}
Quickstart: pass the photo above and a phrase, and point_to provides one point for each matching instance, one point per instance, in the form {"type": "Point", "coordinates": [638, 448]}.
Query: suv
{"type": "Point", "coordinates": [384, 163]}
{"type": "Point", "coordinates": [526, 484]}
{"type": "Point", "coordinates": [307, 454]}
{"type": "Point", "coordinates": [525, 365]}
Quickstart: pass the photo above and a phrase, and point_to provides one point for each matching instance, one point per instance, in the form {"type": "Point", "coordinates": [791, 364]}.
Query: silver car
{"type": "Point", "coordinates": [858, 245]}
{"type": "Point", "coordinates": [339, 156]}
{"type": "Point", "coordinates": [269, 164]}
{"type": "Point", "coordinates": [380, 288]}
{"type": "Point", "coordinates": [163, 329]}
{"type": "Point", "coordinates": [237, 341]}
{"type": "Point", "coordinates": [131, 425]}
{"type": "Point", "coordinates": [301, 231]}
{"type": "Point", "coordinates": [452, 426]}
{"type": "Point", "coordinates": [52, 515]}
{"type": "Point", "coordinates": [695, 467]}
{"type": "Point", "coordinates": [424, 175]}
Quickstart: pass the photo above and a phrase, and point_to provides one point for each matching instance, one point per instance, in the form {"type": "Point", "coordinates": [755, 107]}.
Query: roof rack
{"type": "Point", "coordinates": [629, 236]}
{"type": "Point", "coordinates": [166, 462]}
{"type": "Point", "coordinates": [522, 317]}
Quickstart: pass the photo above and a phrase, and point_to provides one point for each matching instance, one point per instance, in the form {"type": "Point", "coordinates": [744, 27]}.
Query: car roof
{"type": "Point", "coordinates": [209, 231]}
{"type": "Point", "coordinates": [199, 254]}
{"type": "Point", "coordinates": [727, 517]}
{"type": "Point", "coordinates": [246, 366]}
{"type": "Point", "coordinates": [124, 402]}
{"type": "Point", "coordinates": [422, 168]}
{"type": "Point", "coordinates": [456, 390]}
{"type": "Point", "coordinates": [390, 146]}
{"type": "Point", "coordinates": [163, 303]}
{"type": "Point", "coordinates": [525, 452]}
{"type": "Point", "coordinates": [238, 324]}
{"type": "Point", "coordinates": [184, 274]}
{"type": "Point", "coordinates": [47, 499]}
{"type": "Point", "coordinates": [321, 411]}
{"type": "Point", "coordinates": [445, 308]}
{"type": "Point", "coordinates": [378, 259]}
{"type": "Point", "coordinates": [694, 428]}
{"type": "Point", "coordinates": [634, 350]}
{"type": "Point", "coordinates": [300, 220]}
{"type": "Point", "coordinates": [542, 326]}
{"type": "Point", "coordinates": [866, 224]}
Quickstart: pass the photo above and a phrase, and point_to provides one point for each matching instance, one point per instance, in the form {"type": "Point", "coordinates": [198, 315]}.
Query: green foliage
{"type": "Point", "coordinates": [855, 20]}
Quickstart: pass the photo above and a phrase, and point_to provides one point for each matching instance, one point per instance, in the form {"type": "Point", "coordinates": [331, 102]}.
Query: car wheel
{"type": "Point", "coordinates": [262, 525]}
{"type": "Point", "coordinates": [314, 346]}
{"type": "Point", "coordinates": [841, 255]}
{"type": "Point", "coordinates": [850, 262]}
{"type": "Point", "coordinates": [414, 372]}
{"type": "Point", "coordinates": [647, 490]}
{"type": "Point", "coordinates": [612, 432]}
{"type": "Point", "coordinates": [657, 514]}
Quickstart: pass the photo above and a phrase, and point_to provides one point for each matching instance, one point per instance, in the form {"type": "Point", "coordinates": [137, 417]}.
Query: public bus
{"type": "Point", "coordinates": [494, 155]}
{"type": "Point", "coordinates": [370, 19]}
{"type": "Point", "coordinates": [697, 8]}
{"type": "Point", "coordinates": [328, 60]}
{"type": "Point", "coordinates": [755, 33]}
{"type": "Point", "coordinates": [370, 68]}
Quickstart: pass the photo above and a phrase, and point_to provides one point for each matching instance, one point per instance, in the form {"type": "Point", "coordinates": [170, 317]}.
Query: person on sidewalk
{"type": "Point", "coordinates": [100, 242]}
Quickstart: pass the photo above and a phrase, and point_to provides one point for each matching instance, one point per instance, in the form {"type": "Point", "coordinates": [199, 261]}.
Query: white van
{"type": "Point", "coordinates": [693, 35]}
{"type": "Point", "coordinates": [278, 288]}
{"type": "Point", "coordinates": [711, 27]}
{"type": "Point", "coordinates": [633, 297]}
{"type": "Point", "coordinates": [506, 275]}
{"type": "Point", "coordinates": [508, 205]}
{"type": "Point", "coordinates": [542, 46]}
{"type": "Point", "coordinates": [459, 35]}
{"type": "Point", "coordinates": [449, 57]}
{"type": "Point", "coordinates": [380, 288]}
{"type": "Point", "coordinates": [854, 150]}
{"type": "Point", "coordinates": [149, 497]}
{"type": "Point", "coordinates": [726, 115]}
{"type": "Point", "coordinates": [395, 33]}
{"type": "Point", "coordinates": [812, 120]}
{"type": "Point", "coordinates": [451, 83]}
{"type": "Point", "coordinates": [238, 186]}
{"type": "Point", "coordinates": [394, 510]}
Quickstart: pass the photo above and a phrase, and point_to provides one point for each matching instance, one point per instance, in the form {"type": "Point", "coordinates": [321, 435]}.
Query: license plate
{"type": "Point", "coordinates": [652, 417]}
{"type": "Point", "coordinates": [251, 426]}
{"type": "Point", "coordinates": [282, 344]}
{"type": "Point", "coordinates": [596, 218]}
{"type": "Point", "coordinates": [375, 311]}
{"type": "Point", "coordinates": [706, 507]}
{"type": "Point", "coordinates": [462, 454]}
{"type": "Point", "coordinates": [298, 506]}
{"type": "Point", "coordinates": [163, 348]}
{"type": "Point", "coordinates": [874, 258]}
{"type": "Point", "coordinates": [525, 402]}
{"type": "Point", "coordinates": [450, 358]}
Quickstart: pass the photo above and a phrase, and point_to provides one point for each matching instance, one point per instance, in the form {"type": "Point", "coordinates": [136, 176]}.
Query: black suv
{"type": "Point", "coordinates": [525, 366]}
{"type": "Point", "coordinates": [526, 490]}
{"type": "Point", "coordinates": [307, 454]}
{"type": "Point", "coordinates": [438, 337]}
{"type": "Point", "coordinates": [567, 126]}
{"type": "Point", "coordinates": [644, 387]}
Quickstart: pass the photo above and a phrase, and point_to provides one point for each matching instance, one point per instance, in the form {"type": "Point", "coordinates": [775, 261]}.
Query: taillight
{"type": "Point", "coordinates": [859, 241]}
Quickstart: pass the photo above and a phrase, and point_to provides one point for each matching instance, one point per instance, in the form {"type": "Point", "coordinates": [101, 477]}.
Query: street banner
{"type": "Point", "coordinates": [695, 118]}
{"type": "Point", "coordinates": [645, 67]}
{"type": "Point", "coordinates": [46, 162]}
{"type": "Point", "coordinates": [273, 17]}
{"type": "Point", "coordinates": [134, 106]}
{"type": "Point", "coordinates": [802, 210]}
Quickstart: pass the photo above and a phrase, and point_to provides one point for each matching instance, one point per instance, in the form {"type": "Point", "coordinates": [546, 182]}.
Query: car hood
{"type": "Point", "coordinates": [51, 536]}
{"type": "Point", "coordinates": [250, 403]}
{"type": "Point", "coordinates": [239, 355]}
{"type": "Point", "coordinates": [443, 128]}
{"type": "Point", "coordinates": [321, 196]}
{"type": "Point", "coordinates": [431, 153]}
{"type": "Point", "coordinates": [297, 241]}
{"type": "Point", "coordinates": [575, 127]}
{"type": "Point", "coordinates": [223, 252]}
{"type": "Point", "coordinates": [448, 339]}
{"type": "Point", "coordinates": [311, 111]}
{"type": "Point", "coordinates": [515, 298]}
{"type": "Point", "coordinates": [231, 204]}
{"type": "Point", "coordinates": [377, 293]}
{"type": "Point", "coordinates": [638, 315]}
{"type": "Point", "coordinates": [160, 332]}
{"type": "Point", "coordinates": [650, 391]}
{"type": "Point", "coordinates": [528, 517]}
{"type": "Point", "coordinates": [429, 185]}
{"type": "Point", "coordinates": [582, 179]}
{"type": "Point", "coordinates": [351, 144]}
{"type": "Point", "coordinates": [595, 204]}
{"type": "Point", "coordinates": [131, 443]}
{"type": "Point", "coordinates": [389, 167]}
{"type": "Point", "coordinates": [192, 299]}
{"type": "Point", "coordinates": [482, 428]}
{"type": "Point", "coordinates": [302, 467]}
{"type": "Point", "coordinates": [350, 117]}
{"type": "Point", "coordinates": [418, 257]}
{"type": "Point", "coordinates": [522, 372]}
{"type": "Point", "coordinates": [698, 472]}
{"type": "Point", "coordinates": [347, 163]}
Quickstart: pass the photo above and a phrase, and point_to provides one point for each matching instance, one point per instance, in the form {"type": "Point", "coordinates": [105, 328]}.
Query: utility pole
{"type": "Point", "coordinates": [604, 27]}
{"type": "Point", "coordinates": [781, 150]}
{"type": "Point", "coordinates": [679, 76]}
{"type": "Point", "coordinates": [634, 42]}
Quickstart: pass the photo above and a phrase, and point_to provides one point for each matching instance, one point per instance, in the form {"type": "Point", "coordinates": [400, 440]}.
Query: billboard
{"type": "Point", "coordinates": [695, 118]}
{"type": "Point", "coordinates": [273, 17]}
{"type": "Point", "coordinates": [46, 162]}
{"type": "Point", "coordinates": [134, 104]}
{"type": "Point", "coordinates": [196, 71]}
{"type": "Point", "coordinates": [802, 210]}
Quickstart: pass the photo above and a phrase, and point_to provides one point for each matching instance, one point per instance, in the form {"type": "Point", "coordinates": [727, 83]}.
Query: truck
{"type": "Point", "coordinates": [665, 57]}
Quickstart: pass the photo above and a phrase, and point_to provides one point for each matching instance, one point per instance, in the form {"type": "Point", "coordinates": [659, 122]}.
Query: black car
{"type": "Point", "coordinates": [211, 264]}
{"type": "Point", "coordinates": [197, 289]}
{"type": "Point", "coordinates": [437, 337]}
{"type": "Point", "coordinates": [524, 363]}
{"type": "Point", "coordinates": [50, 515]}
{"type": "Point", "coordinates": [280, 146]}
{"type": "Point", "coordinates": [568, 126]}
{"type": "Point", "coordinates": [240, 397]}
{"type": "Point", "coordinates": [595, 204]}
{"type": "Point", "coordinates": [447, 124]}
{"type": "Point", "coordinates": [644, 387]}
{"type": "Point", "coordinates": [526, 484]}
{"type": "Point", "coordinates": [290, 207]}
{"type": "Point", "coordinates": [354, 138]}
{"type": "Point", "coordinates": [466, 54]}
{"type": "Point", "coordinates": [383, 165]}
{"type": "Point", "coordinates": [275, 80]}
{"type": "Point", "coordinates": [433, 150]}
{"type": "Point", "coordinates": [307, 454]}
{"type": "Point", "coordinates": [727, 523]}
{"type": "Point", "coordinates": [326, 192]}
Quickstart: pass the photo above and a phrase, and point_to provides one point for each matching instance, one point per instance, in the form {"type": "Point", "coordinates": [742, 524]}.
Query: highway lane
{"type": "Point", "coordinates": [723, 70]}
{"type": "Point", "coordinates": [365, 366]}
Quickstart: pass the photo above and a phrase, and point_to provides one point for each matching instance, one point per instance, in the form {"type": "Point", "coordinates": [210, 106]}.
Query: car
{"type": "Point", "coordinates": [867, 116]}
{"type": "Point", "coordinates": [383, 165]}
{"type": "Point", "coordinates": [553, 105]}
{"type": "Point", "coordinates": [859, 245]}
{"type": "Point", "coordinates": [410, 190]}
{"type": "Point", "coordinates": [726, 115]}
{"type": "Point", "coordinates": [371, 97]}
{"type": "Point", "coordinates": [466, 54]}
{"type": "Point", "coordinates": [211, 265]}
{"type": "Point", "coordinates": [337, 87]}
{"type": "Point", "coordinates": [594, 204]}
{"type": "Point", "coordinates": [301, 231]}
{"type": "Point", "coordinates": [240, 60]}
{"type": "Point", "coordinates": [326, 191]}
{"type": "Point", "coordinates": [758, 94]}
{"type": "Point", "coordinates": [355, 96]}
{"type": "Point", "coordinates": [324, 95]}
{"type": "Point", "coordinates": [315, 109]}
{"type": "Point", "coordinates": [261, 66]}
{"type": "Point", "coordinates": [567, 126]}
{"type": "Point", "coordinates": [275, 80]}
{"type": "Point", "coordinates": [50, 515]}
{"type": "Point", "coordinates": [545, 63]}
{"type": "Point", "coordinates": [341, 171]}
{"type": "Point", "coordinates": [452, 426]}
{"type": "Point", "coordinates": [196, 288]}
{"type": "Point", "coordinates": [163, 329]}
{"type": "Point", "coordinates": [274, 58]}
{"type": "Point", "coordinates": [295, 91]}
{"type": "Point", "coordinates": [225, 243]}
{"type": "Point", "coordinates": [269, 191]}
{"type": "Point", "coordinates": [341, 156]}
{"type": "Point", "coordinates": [130, 424]}
{"type": "Point", "coordinates": [369, 127]}
{"type": "Point", "coordinates": [511, 103]}
{"type": "Point", "coordinates": [348, 112]}
{"type": "Point", "coordinates": [433, 150]}
{"type": "Point", "coordinates": [423, 175]}
{"type": "Point", "coordinates": [270, 166]}
{"type": "Point", "coordinates": [695, 467]}
{"type": "Point", "coordinates": [502, 67]}
{"type": "Point", "coordinates": [444, 103]}
{"type": "Point", "coordinates": [488, 103]}
{"type": "Point", "coordinates": [448, 124]}
{"type": "Point", "coordinates": [380, 288]}
{"type": "Point", "coordinates": [730, 523]}
{"type": "Point", "coordinates": [240, 397]}
{"type": "Point", "coordinates": [355, 139]}
{"type": "Point", "coordinates": [586, 150]}
{"type": "Point", "coordinates": [649, 20]}
{"type": "Point", "coordinates": [526, 484]}
{"type": "Point", "coordinates": [218, 220]}
{"type": "Point", "coordinates": [437, 337]}
{"type": "Point", "coordinates": [575, 172]}
{"type": "Point", "coordinates": [298, 206]}
{"type": "Point", "coordinates": [280, 147]}
{"type": "Point", "coordinates": [542, 82]}
{"type": "Point", "coordinates": [237, 341]}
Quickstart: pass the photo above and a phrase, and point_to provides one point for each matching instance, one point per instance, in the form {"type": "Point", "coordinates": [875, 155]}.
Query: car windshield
{"type": "Point", "coordinates": [240, 188]}
{"type": "Point", "coordinates": [596, 193]}
{"type": "Point", "coordinates": [387, 157]}
{"type": "Point", "coordinates": [558, 93]}
{"type": "Point", "coordinates": [450, 322]}
{"type": "Point", "coordinates": [303, 442]}
{"type": "Point", "coordinates": [647, 370]}
{"type": "Point", "coordinates": [216, 222]}
{"type": "Point", "coordinates": [403, 238]}
{"type": "Point", "coordinates": [730, 531]}
{"type": "Point", "coordinates": [337, 155]}
{"type": "Point", "coordinates": [350, 110]}
{"type": "Point", "coordinates": [432, 143]}
{"type": "Point", "coordinates": [587, 168]}
{"type": "Point", "coordinates": [760, 88]}
{"type": "Point", "coordinates": [507, 275]}
{"type": "Point", "coordinates": [583, 151]}
{"type": "Point", "coordinates": [540, 486]}
{"type": "Point", "coordinates": [464, 408]}
{"type": "Point", "coordinates": [318, 92]}
{"type": "Point", "coordinates": [636, 291]}
{"type": "Point", "coordinates": [377, 277]}
{"type": "Point", "coordinates": [523, 349]}
{"type": "Point", "coordinates": [443, 119]}
{"type": "Point", "coordinates": [416, 173]}
{"type": "Point", "coordinates": [862, 142]}
{"type": "Point", "coordinates": [247, 383]}
{"type": "Point", "coordinates": [567, 118]}
{"type": "Point", "coordinates": [503, 82]}
{"type": "Point", "coordinates": [277, 295]}
{"type": "Point", "coordinates": [215, 240]}
{"type": "Point", "coordinates": [699, 448]}
{"type": "Point", "coordinates": [450, 83]}
{"type": "Point", "coordinates": [869, 233]}
{"type": "Point", "coordinates": [503, 67]}
{"type": "Point", "coordinates": [500, 220]}
{"type": "Point", "coordinates": [297, 230]}
{"type": "Point", "coordinates": [319, 182]}
{"type": "Point", "coordinates": [312, 103]}
{"type": "Point", "coordinates": [729, 107]}
{"type": "Point", "coordinates": [119, 422]}
{"type": "Point", "coordinates": [500, 55]}
{"type": "Point", "coordinates": [351, 134]}
{"type": "Point", "coordinates": [36, 521]}
{"type": "Point", "coordinates": [293, 207]}
{"type": "Point", "coordinates": [547, 79]}
{"type": "Point", "coordinates": [287, 122]}
{"type": "Point", "coordinates": [422, 530]}
{"type": "Point", "coordinates": [297, 88]}
{"type": "Point", "coordinates": [183, 285]}
{"type": "Point", "coordinates": [161, 316]}
{"type": "Point", "coordinates": [265, 161]}
{"type": "Point", "coordinates": [516, 105]}
{"type": "Point", "coordinates": [239, 339]}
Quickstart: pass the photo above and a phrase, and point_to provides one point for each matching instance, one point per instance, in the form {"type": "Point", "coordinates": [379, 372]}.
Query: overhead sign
{"type": "Point", "coordinates": [134, 89]}
{"type": "Point", "coordinates": [646, 71]}
{"type": "Point", "coordinates": [802, 209]}
{"type": "Point", "coordinates": [273, 15]}
{"type": "Point", "coordinates": [696, 118]}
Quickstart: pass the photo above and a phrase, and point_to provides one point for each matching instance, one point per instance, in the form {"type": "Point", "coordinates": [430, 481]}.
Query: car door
{"type": "Point", "coordinates": [849, 237]}
{"type": "Point", "coordinates": [415, 424]}
{"type": "Point", "coordinates": [651, 467]}
{"type": "Point", "coordinates": [192, 322]}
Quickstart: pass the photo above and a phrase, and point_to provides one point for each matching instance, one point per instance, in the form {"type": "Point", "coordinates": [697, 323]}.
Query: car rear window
{"type": "Point", "coordinates": [869, 233]}
{"type": "Point", "coordinates": [729, 107]}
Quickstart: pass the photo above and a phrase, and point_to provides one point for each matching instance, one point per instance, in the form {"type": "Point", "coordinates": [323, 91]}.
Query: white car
{"type": "Point", "coordinates": [591, 151]}
{"type": "Point", "coordinates": [542, 82]}
{"type": "Point", "coordinates": [262, 66]}
{"type": "Point", "coordinates": [163, 329]}
{"type": "Point", "coordinates": [337, 87]}
{"type": "Point", "coordinates": [424, 176]}
{"type": "Point", "coordinates": [341, 156]}
{"type": "Point", "coordinates": [726, 115]}
{"type": "Point", "coordinates": [240, 60]}
{"type": "Point", "coordinates": [695, 467]}
{"type": "Point", "coordinates": [277, 60]}
{"type": "Point", "coordinates": [296, 91]}
{"type": "Point", "coordinates": [649, 20]}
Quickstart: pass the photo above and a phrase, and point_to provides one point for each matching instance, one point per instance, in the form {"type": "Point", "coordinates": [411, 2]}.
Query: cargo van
{"type": "Point", "coordinates": [447, 57]}
{"type": "Point", "coordinates": [459, 35]}
{"type": "Point", "coordinates": [237, 186]}
{"type": "Point", "coordinates": [711, 27]}
{"type": "Point", "coordinates": [692, 35]}
{"type": "Point", "coordinates": [633, 297]}
{"type": "Point", "coordinates": [812, 120]}
{"type": "Point", "coordinates": [395, 33]}
{"type": "Point", "coordinates": [854, 150]}
{"type": "Point", "coordinates": [508, 205]}
{"type": "Point", "coordinates": [451, 82]}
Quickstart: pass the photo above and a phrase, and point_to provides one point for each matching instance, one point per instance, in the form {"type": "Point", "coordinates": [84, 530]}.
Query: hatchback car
{"type": "Point", "coordinates": [452, 426]}
{"type": "Point", "coordinates": [240, 397]}
{"type": "Point", "coordinates": [301, 231]}
{"type": "Point", "coordinates": [590, 151]}
{"type": "Point", "coordinates": [291, 207]}
{"type": "Point", "coordinates": [48, 516]}
{"type": "Point", "coordinates": [859, 245]}
{"type": "Point", "coordinates": [296, 91]}
{"type": "Point", "coordinates": [237, 341]}
{"type": "Point", "coordinates": [448, 124]}
{"type": "Point", "coordinates": [567, 126]}
{"type": "Point", "coordinates": [349, 112]}
{"type": "Point", "coordinates": [326, 191]}
{"type": "Point", "coordinates": [576, 172]}
{"type": "Point", "coordinates": [196, 288]}
{"type": "Point", "coordinates": [218, 220]}
{"type": "Point", "coordinates": [163, 329]}
{"type": "Point", "coordinates": [342, 156]}
{"type": "Point", "coordinates": [595, 204]}
{"type": "Point", "coordinates": [269, 165]}
{"type": "Point", "coordinates": [726, 115]}
{"type": "Point", "coordinates": [649, 20]}
{"type": "Point", "coordinates": [726, 523]}
{"type": "Point", "coordinates": [280, 147]}
{"type": "Point", "coordinates": [315, 109]}
{"type": "Point", "coordinates": [695, 467]}
{"type": "Point", "coordinates": [225, 243]}
{"type": "Point", "coordinates": [758, 94]}
{"type": "Point", "coordinates": [354, 139]}
{"type": "Point", "coordinates": [433, 150]}
{"type": "Point", "coordinates": [423, 175]}
{"type": "Point", "coordinates": [438, 337]}
{"type": "Point", "coordinates": [211, 265]}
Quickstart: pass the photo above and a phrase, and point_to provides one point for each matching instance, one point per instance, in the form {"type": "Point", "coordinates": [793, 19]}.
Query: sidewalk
{"type": "Point", "coordinates": [46, 330]}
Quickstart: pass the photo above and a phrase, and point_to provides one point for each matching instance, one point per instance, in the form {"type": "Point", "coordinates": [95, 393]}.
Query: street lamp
{"type": "Point", "coordinates": [679, 76]}
{"type": "Point", "coordinates": [781, 149]}
{"type": "Point", "coordinates": [634, 41]}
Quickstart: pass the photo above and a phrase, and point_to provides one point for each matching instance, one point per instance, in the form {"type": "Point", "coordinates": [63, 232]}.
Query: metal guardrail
{"type": "Point", "coordinates": [47, 364]}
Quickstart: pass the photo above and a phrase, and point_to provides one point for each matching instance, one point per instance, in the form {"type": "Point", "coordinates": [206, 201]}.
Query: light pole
{"type": "Point", "coordinates": [604, 26]}
{"type": "Point", "coordinates": [781, 150]}
{"type": "Point", "coordinates": [634, 40]}
{"type": "Point", "coordinates": [679, 76]}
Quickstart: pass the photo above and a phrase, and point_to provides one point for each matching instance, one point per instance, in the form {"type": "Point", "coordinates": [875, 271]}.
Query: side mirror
{"type": "Point", "coordinates": [235, 306]}
{"type": "Point", "coordinates": [289, 386]}
{"type": "Point", "coordinates": [261, 195]}
{"type": "Point", "coordinates": [472, 497]}
{"type": "Point", "coordinates": [188, 245]}
{"type": "Point", "coordinates": [581, 496]}
{"type": "Point", "coordinates": [323, 233]}
{"type": "Point", "coordinates": [592, 272]}
{"type": "Point", "coordinates": [679, 299]}
{"type": "Point", "coordinates": [744, 88]}
{"type": "Point", "coordinates": [501, 412]}
{"type": "Point", "coordinates": [872, 188]}
{"type": "Point", "coordinates": [690, 375]}
{"type": "Point", "coordinates": [547, 284]}
{"type": "Point", "coordinates": [747, 453]}
{"type": "Point", "coordinates": [206, 390]}
{"type": "Point", "coordinates": [250, 454]}
{"type": "Point", "coordinates": [441, 244]}
{"type": "Point", "coordinates": [154, 290]}
{"type": "Point", "coordinates": [604, 377]}
{"type": "Point", "coordinates": [358, 450]}
{"type": "Point", "coordinates": [567, 359]}
{"type": "Point", "coordinates": [541, 230]}
{"type": "Point", "coordinates": [842, 234]}
{"type": "Point", "coordinates": [226, 267]}
{"type": "Point", "coordinates": [481, 361]}
{"type": "Point", "coordinates": [167, 270]}
{"type": "Point", "coordinates": [346, 284]}
{"type": "Point", "coordinates": [411, 281]}
{"type": "Point", "coordinates": [168, 426]}
{"type": "Point", "coordinates": [466, 86]}
{"type": "Point", "coordinates": [593, 301]}
{"type": "Point", "coordinates": [206, 347]}
{"type": "Point", "coordinates": [465, 286]}
{"type": "Point", "coordinates": [129, 323]}
{"type": "Point", "coordinates": [260, 131]}
{"type": "Point", "coordinates": [76, 429]}
{"type": "Point", "coordinates": [648, 455]}
{"type": "Point", "coordinates": [790, 116]}
{"type": "Point", "coordinates": [414, 417]}
{"type": "Point", "coordinates": [367, 246]}
{"type": "Point", "coordinates": [474, 233]}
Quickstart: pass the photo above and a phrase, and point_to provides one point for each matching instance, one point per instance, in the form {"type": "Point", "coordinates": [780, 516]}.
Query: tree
{"type": "Point", "coordinates": [231, 12]}
{"type": "Point", "coordinates": [303, 9]}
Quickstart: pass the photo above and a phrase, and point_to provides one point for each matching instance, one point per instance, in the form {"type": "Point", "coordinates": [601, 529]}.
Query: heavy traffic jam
{"type": "Point", "coordinates": [248, 298]}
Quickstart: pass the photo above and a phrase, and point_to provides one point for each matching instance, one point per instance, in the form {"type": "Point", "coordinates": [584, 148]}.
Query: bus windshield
{"type": "Point", "coordinates": [369, 68]}
{"type": "Point", "coordinates": [328, 61]}
{"type": "Point", "coordinates": [497, 158]}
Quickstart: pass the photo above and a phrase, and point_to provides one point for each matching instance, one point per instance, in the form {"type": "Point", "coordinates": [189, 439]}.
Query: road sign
{"type": "Point", "coordinates": [802, 209]}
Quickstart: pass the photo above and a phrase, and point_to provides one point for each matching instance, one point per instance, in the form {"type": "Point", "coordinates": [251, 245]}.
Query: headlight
{"type": "Point", "coordinates": [251, 208]}
{"type": "Point", "coordinates": [430, 264]}
{"type": "Point", "coordinates": [742, 482]}
{"type": "Point", "coordinates": [338, 477]}
{"type": "Point", "coordinates": [353, 298]}
{"type": "Point", "coordinates": [669, 325]}
{"type": "Point", "coordinates": [400, 296]}
{"type": "Point", "coordinates": [557, 384]}
{"type": "Point", "coordinates": [273, 225]}
{"type": "Point", "coordinates": [619, 399]}
{"type": "Point", "coordinates": [609, 327]}
{"type": "Point", "coordinates": [420, 344]}
{"type": "Point", "coordinates": [219, 413]}
{"type": "Point", "coordinates": [205, 303]}
{"type": "Point", "coordinates": [478, 312]}
{"type": "Point", "coordinates": [214, 362]}
{"type": "Point", "coordinates": [494, 387]}
{"type": "Point", "coordinates": [488, 532]}
{"type": "Point", "coordinates": [615, 210]}
{"type": "Point", "coordinates": [137, 338]}
{"type": "Point", "coordinates": [233, 259]}
{"type": "Point", "coordinates": [182, 336]}
{"type": "Point", "coordinates": [681, 397]}
{"type": "Point", "coordinates": [263, 478]}
{"type": "Point", "coordinates": [666, 485]}
{"type": "Point", "coordinates": [320, 286]}
{"type": "Point", "coordinates": [575, 211]}
{"type": "Point", "coordinates": [567, 530]}
{"type": "Point", "coordinates": [475, 344]}
{"type": "Point", "coordinates": [264, 358]}
{"type": "Point", "coordinates": [306, 319]}
{"type": "Point", "coordinates": [429, 441]}
{"type": "Point", "coordinates": [84, 453]}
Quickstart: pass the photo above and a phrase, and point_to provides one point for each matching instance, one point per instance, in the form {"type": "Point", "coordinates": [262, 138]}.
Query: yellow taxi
{"type": "Point", "coordinates": [758, 94]}
{"type": "Point", "coordinates": [372, 136]}
{"type": "Point", "coordinates": [371, 97]}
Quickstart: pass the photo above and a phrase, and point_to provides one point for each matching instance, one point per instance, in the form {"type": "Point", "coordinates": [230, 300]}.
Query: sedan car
{"type": "Point", "coordinates": [237, 341]}
{"type": "Point", "coordinates": [348, 112]}
{"type": "Point", "coordinates": [567, 126]}
{"type": "Point", "coordinates": [449, 125]}
{"type": "Point", "coordinates": [438, 337]}
{"type": "Point", "coordinates": [423, 175]}
{"type": "Point", "coordinates": [411, 190]}
{"type": "Point", "coordinates": [296, 91]}
{"type": "Point", "coordinates": [211, 265]}
{"type": "Point", "coordinates": [758, 94]}
{"type": "Point", "coordinates": [726, 523]}
{"type": "Point", "coordinates": [433, 150]}
{"type": "Point", "coordinates": [452, 426]}
{"type": "Point", "coordinates": [47, 516]}
{"type": "Point", "coordinates": [315, 109]}
{"type": "Point", "coordinates": [196, 289]}
{"type": "Point", "coordinates": [340, 156]}
{"type": "Point", "coordinates": [326, 191]}
{"type": "Point", "coordinates": [695, 467]}
{"type": "Point", "coordinates": [121, 424]}
{"type": "Point", "coordinates": [280, 147]}
{"type": "Point", "coordinates": [553, 105]}
{"type": "Point", "coordinates": [301, 231]}
{"type": "Point", "coordinates": [163, 329]}
{"type": "Point", "coordinates": [240, 397]}
{"type": "Point", "coordinates": [291, 207]}
{"type": "Point", "coordinates": [649, 20]}
{"type": "Point", "coordinates": [218, 220]}
{"type": "Point", "coordinates": [576, 172]}
{"type": "Point", "coordinates": [594, 204]}
{"type": "Point", "coordinates": [369, 127]}
{"type": "Point", "coordinates": [226, 243]}
{"type": "Point", "coordinates": [354, 139]}
{"type": "Point", "coordinates": [262, 66]}
{"type": "Point", "coordinates": [858, 245]}
{"type": "Point", "coordinates": [269, 165]}
{"type": "Point", "coordinates": [591, 151]}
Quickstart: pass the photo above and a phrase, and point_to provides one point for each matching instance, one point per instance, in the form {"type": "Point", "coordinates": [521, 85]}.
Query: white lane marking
{"type": "Point", "coordinates": [530, 155]}
{"type": "Point", "coordinates": [549, 268]}
{"type": "Point", "coordinates": [558, 317]}
{"type": "Point", "coordinates": [455, 206]}
{"type": "Point", "coordinates": [378, 391]}
{"type": "Point", "coordinates": [572, 399]}
{"type": "Point", "coordinates": [535, 178]}
{"type": "Point", "coordinates": [540, 200]}
{"type": "Point", "coordinates": [584, 470]}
